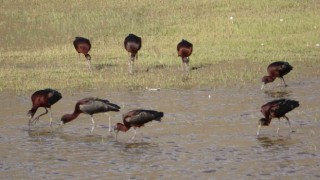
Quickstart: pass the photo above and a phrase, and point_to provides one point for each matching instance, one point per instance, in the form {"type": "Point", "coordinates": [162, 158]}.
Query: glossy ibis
{"type": "Point", "coordinates": [43, 98]}
{"type": "Point", "coordinates": [132, 44]}
{"type": "Point", "coordinates": [184, 49]}
{"type": "Point", "coordinates": [137, 118]}
{"type": "Point", "coordinates": [83, 45]}
{"type": "Point", "coordinates": [276, 109]}
{"type": "Point", "coordinates": [90, 106]}
{"type": "Point", "coordinates": [276, 69]}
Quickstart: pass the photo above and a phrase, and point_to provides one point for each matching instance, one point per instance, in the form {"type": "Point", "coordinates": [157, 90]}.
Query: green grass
{"type": "Point", "coordinates": [37, 51]}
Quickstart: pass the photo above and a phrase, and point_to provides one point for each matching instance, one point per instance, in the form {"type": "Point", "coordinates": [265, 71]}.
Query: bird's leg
{"type": "Point", "coordinates": [92, 120]}
{"type": "Point", "coordinates": [278, 127]}
{"type": "Point", "coordinates": [34, 121]}
{"type": "Point", "coordinates": [288, 123]}
{"type": "Point", "coordinates": [285, 85]}
{"type": "Point", "coordinates": [79, 57]}
{"type": "Point", "coordinates": [130, 66]}
{"type": "Point", "coordinates": [187, 67]}
{"type": "Point", "coordinates": [109, 122]}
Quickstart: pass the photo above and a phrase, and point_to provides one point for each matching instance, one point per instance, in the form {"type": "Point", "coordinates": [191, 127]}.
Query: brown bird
{"type": "Point", "coordinates": [90, 106]}
{"type": "Point", "coordinates": [83, 45]}
{"type": "Point", "coordinates": [43, 98]}
{"type": "Point", "coordinates": [184, 49]}
{"type": "Point", "coordinates": [276, 69]}
{"type": "Point", "coordinates": [276, 109]}
{"type": "Point", "coordinates": [132, 44]}
{"type": "Point", "coordinates": [137, 118]}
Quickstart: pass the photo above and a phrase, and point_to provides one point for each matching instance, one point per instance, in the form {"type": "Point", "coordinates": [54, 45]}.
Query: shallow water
{"type": "Point", "coordinates": [199, 137]}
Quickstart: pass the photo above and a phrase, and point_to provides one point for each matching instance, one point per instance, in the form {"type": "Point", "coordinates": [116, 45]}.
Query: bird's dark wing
{"type": "Point", "coordinates": [282, 107]}
{"type": "Point", "coordinates": [53, 96]}
{"type": "Point", "coordinates": [140, 117]}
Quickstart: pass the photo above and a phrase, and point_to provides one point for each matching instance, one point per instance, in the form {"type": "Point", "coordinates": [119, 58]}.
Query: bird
{"type": "Point", "coordinates": [184, 49]}
{"type": "Point", "coordinates": [276, 69]}
{"type": "Point", "coordinates": [91, 106]}
{"type": "Point", "coordinates": [137, 118]}
{"type": "Point", "coordinates": [83, 45]}
{"type": "Point", "coordinates": [43, 98]}
{"type": "Point", "coordinates": [132, 44]}
{"type": "Point", "coordinates": [276, 109]}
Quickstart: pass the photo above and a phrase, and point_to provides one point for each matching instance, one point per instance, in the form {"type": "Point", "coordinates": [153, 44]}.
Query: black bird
{"type": "Point", "coordinates": [90, 106]}
{"type": "Point", "coordinates": [132, 44]}
{"type": "Point", "coordinates": [276, 109]}
{"type": "Point", "coordinates": [276, 69]}
{"type": "Point", "coordinates": [184, 49]}
{"type": "Point", "coordinates": [83, 45]}
{"type": "Point", "coordinates": [137, 118]}
{"type": "Point", "coordinates": [43, 98]}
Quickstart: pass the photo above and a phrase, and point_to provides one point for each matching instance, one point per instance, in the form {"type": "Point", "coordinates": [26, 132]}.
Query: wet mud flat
{"type": "Point", "coordinates": [206, 133]}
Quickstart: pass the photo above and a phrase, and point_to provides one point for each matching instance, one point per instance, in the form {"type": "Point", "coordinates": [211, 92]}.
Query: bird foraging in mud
{"type": "Point", "coordinates": [83, 45]}
{"type": "Point", "coordinates": [276, 109]}
{"type": "Point", "coordinates": [137, 118]}
{"type": "Point", "coordinates": [276, 69]}
{"type": "Point", "coordinates": [43, 98]}
{"type": "Point", "coordinates": [91, 106]}
{"type": "Point", "coordinates": [184, 49]}
{"type": "Point", "coordinates": [132, 44]}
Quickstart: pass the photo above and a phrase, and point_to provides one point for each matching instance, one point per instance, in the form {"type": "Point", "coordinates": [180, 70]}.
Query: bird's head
{"type": "Point", "coordinates": [120, 127]}
{"type": "Point", "coordinates": [263, 122]}
{"type": "Point", "coordinates": [66, 118]}
{"type": "Point", "coordinates": [267, 79]}
{"type": "Point", "coordinates": [88, 57]}
{"type": "Point", "coordinates": [30, 114]}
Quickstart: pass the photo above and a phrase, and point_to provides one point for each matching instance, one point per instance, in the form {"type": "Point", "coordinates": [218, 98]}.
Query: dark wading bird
{"type": "Point", "coordinates": [137, 118]}
{"type": "Point", "coordinates": [83, 45]}
{"type": "Point", "coordinates": [90, 106]}
{"type": "Point", "coordinates": [276, 109]}
{"type": "Point", "coordinates": [184, 49]}
{"type": "Point", "coordinates": [132, 44]}
{"type": "Point", "coordinates": [276, 69]}
{"type": "Point", "coordinates": [43, 98]}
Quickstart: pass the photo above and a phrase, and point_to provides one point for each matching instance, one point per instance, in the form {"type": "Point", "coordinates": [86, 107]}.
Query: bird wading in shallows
{"type": "Point", "coordinates": [276, 109]}
{"type": "Point", "coordinates": [83, 45]}
{"type": "Point", "coordinates": [43, 98]}
{"type": "Point", "coordinates": [276, 69]}
{"type": "Point", "coordinates": [91, 106]}
{"type": "Point", "coordinates": [184, 49]}
{"type": "Point", "coordinates": [137, 118]}
{"type": "Point", "coordinates": [132, 44]}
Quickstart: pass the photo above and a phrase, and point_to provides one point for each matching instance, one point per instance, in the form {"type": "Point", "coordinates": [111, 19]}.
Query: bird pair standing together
{"type": "Point", "coordinates": [132, 44]}
{"type": "Point", "coordinates": [276, 108]}
{"type": "Point", "coordinates": [135, 118]}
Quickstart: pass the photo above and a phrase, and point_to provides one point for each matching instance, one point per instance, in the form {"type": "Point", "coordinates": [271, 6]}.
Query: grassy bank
{"type": "Point", "coordinates": [37, 51]}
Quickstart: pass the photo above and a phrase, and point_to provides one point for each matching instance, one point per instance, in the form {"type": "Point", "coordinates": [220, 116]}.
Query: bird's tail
{"type": "Point", "coordinates": [158, 116]}
{"type": "Point", "coordinates": [113, 107]}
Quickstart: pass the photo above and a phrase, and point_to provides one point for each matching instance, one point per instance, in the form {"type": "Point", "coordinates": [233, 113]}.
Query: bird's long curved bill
{"type": "Point", "coordinates": [258, 131]}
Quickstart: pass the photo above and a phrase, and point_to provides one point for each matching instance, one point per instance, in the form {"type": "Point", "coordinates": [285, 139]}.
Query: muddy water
{"type": "Point", "coordinates": [199, 138]}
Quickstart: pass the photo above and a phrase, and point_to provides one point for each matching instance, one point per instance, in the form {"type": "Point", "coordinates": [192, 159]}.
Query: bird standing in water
{"type": "Point", "coordinates": [43, 98]}
{"type": "Point", "coordinates": [276, 69]}
{"type": "Point", "coordinates": [137, 118]}
{"type": "Point", "coordinates": [132, 44]}
{"type": "Point", "coordinates": [276, 109]}
{"type": "Point", "coordinates": [90, 106]}
{"type": "Point", "coordinates": [83, 45]}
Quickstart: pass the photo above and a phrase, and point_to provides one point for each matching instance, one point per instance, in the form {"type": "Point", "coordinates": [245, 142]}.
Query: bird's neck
{"type": "Point", "coordinates": [69, 117]}
{"type": "Point", "coordinates": [32, 111]}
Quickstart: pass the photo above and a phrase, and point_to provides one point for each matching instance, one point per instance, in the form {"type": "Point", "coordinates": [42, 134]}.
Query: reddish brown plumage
{"type": "Point", "coordinates": [277, 69]}
{"type": "Point", "coordinates": [184, 49]}
{"type": "Point", "coordinates": [132, 44]}
{"type": "Point", "coordinates": [83, 45]}
{"type": "Point", "coordinates": [137, 118]}
{"type": "Point", "coordinates": [276, 109]}
{"type": "Point", "coordinates": [43, 98]}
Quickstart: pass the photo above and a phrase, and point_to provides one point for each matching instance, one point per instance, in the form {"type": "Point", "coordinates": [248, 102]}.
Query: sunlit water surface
{"type": "Point", "coordinates": [205, 134]}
